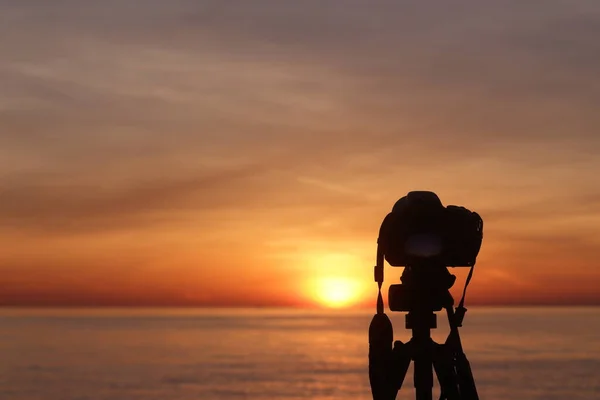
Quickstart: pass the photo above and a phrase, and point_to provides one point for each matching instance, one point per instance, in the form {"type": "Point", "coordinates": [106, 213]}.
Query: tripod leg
{"type": "Point", "coordinates": [442, 364]}
{"type": "Point", "coordinates": [466, 381]}
{"type": "Point", "coordinates": [401, 357]}
{"type": "Point", "coordinates": [423, 377]}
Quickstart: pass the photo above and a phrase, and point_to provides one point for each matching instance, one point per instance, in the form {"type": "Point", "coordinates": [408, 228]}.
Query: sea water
{"type": "Point", "coordinates": [185, 354]}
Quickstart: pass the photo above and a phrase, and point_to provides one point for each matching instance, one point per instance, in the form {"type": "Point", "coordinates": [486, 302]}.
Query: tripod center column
{"type": "Point", "coordinates": [421, 323]}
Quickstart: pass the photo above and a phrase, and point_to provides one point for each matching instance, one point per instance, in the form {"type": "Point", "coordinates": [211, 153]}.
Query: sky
{"type": "Point", "coordinates": [210, 153]}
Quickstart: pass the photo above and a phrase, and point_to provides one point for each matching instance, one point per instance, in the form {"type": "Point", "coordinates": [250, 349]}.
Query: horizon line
{"type": "Point", "coordinates": [287, 307]}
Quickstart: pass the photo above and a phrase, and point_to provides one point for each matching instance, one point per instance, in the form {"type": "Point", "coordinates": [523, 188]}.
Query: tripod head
{"type": "Point", "coordinates": [422, 287]}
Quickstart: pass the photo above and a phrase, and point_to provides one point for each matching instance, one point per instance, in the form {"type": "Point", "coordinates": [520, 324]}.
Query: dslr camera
{"type": "Point", "coordinates": [425, 237]}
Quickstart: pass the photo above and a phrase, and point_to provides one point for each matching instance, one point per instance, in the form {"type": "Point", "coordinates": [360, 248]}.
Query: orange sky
{"type": "Point", "coordinates": [237, 154]}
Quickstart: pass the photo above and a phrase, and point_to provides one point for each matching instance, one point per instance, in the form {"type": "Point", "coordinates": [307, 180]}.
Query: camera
{"type": "Point", "coordinates": [420, 231]}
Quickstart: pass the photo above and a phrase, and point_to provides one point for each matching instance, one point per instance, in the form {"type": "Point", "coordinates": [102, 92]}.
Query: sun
{"type": "Point", "coordinates": [337, 292]}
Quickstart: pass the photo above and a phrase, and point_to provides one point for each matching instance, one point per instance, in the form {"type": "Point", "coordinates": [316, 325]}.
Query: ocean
{"type": "Point", "coordinates": [185, 354]}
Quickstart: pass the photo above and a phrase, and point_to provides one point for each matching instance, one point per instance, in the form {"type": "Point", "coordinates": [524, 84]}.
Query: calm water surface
{"type": "Point", "coordinates": [277, 354]}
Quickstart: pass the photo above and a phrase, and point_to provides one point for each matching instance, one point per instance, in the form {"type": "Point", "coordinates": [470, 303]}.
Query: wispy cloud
{"type": "Point", "coordinates": [299, 121]}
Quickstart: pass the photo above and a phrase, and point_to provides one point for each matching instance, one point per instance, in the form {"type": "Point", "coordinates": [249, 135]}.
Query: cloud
{"type": "Point", "coordinates": [57, 207]}
{"type": "Point", "coordinates": [299, 122]}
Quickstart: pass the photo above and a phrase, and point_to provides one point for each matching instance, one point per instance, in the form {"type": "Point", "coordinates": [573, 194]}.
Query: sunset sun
{"type": "Point", "coordinates": [337, 292]}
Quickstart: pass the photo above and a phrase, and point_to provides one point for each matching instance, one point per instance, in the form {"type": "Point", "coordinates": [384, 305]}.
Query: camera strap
{"type": "Point", "coordinates": [461, 310]}
{"type": "Point", "coordinates": [378, 272]}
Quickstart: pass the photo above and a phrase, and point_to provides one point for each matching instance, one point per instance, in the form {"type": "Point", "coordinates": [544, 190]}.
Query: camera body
{"type": "Point", "coordinates": [420, 231]}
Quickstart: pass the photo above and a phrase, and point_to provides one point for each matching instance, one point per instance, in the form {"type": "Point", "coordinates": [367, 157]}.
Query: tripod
{"type": "Point", "coordinates": [388, 365]}
{"type": "Point", "coordinates": [448, 361]}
